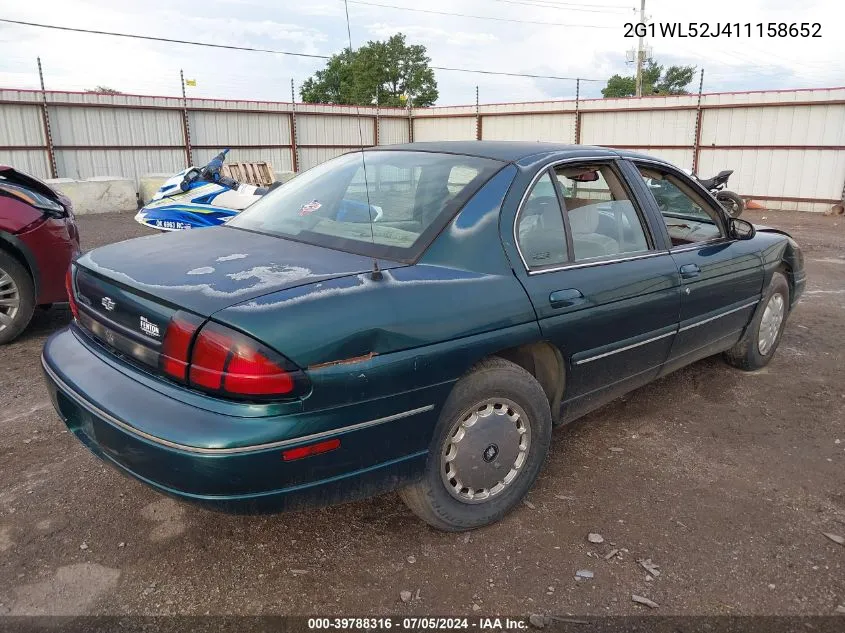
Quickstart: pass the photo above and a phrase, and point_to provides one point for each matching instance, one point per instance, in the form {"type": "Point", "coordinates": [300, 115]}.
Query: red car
{"type": "Point", "coordinates": [38, 241]}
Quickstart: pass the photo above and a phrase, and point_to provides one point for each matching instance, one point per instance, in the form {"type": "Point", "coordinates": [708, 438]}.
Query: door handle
{"type": "Point", "coordinates": [688, 271]}
{"type": "Point", "coordinates": [566, 298]}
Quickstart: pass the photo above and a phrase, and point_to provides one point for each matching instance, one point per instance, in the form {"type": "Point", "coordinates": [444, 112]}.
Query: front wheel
{"type": "Point", "coordinates": [757, 346]}
{"type": "Point", "coordinates": [488, 447]}
{"type": "Point", "coordinates": [17, 300]}
{"type": "Point", "coordinates": [731, 202]}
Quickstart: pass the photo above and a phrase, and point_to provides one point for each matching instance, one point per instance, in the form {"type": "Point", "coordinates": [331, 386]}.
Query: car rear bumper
{"type": "Point", "coordinates": [113, 414]}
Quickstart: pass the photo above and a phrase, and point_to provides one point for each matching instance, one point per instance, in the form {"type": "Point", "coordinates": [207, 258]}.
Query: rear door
{"type": "Point", "coordinates": [604, 290]}
{"type": "Point", "coordinates": [721, 278]}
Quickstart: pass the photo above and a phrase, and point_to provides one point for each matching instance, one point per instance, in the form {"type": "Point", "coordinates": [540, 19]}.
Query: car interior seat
{"type": "Point", "coordinates": [584, 222]}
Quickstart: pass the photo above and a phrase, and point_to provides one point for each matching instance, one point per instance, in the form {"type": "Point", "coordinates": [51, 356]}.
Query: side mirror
{"type": "Point", "coordinates": [741, 229]}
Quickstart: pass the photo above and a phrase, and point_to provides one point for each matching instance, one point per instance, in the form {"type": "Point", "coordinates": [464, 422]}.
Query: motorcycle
{"type": "Point", "coordinates": [731, 202]}
{"type": "Point", "coordinates": [199, 197]}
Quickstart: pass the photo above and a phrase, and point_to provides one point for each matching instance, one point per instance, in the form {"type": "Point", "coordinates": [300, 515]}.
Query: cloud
{"type": "Point", "coordinates": [429, 35]}
{"type": "Point", "coordinates": [76, 61]}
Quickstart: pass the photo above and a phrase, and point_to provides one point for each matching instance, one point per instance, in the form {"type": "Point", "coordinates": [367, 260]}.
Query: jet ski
{"type": "Point", "coordinates": [198, 197]}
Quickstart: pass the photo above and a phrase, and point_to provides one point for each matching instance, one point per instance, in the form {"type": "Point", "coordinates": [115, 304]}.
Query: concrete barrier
{"type": "Point", "coordinates": [98, 195]}
{"type": "Point", "coordinates": [149, 185]}
{"type": "Point", "coordinates": [283, 176]}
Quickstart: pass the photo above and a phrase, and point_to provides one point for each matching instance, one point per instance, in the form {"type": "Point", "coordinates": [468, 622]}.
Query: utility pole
{"type": "Point", "coordinates": [641, 52]}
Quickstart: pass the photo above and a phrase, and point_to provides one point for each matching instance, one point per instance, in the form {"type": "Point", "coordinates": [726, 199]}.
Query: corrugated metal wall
{"type": "Point", "coordinates": [427, 128]}
{"type": "Point", "coordinates": [559, 128]}
{"type": "Point", "coordinates": [21, 127]}
{"type": "Point", "coordinates": [785, 147]}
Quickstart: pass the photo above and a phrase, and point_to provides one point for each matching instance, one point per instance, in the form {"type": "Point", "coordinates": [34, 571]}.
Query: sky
{"type": "Point", "coordinates": [565, 38]}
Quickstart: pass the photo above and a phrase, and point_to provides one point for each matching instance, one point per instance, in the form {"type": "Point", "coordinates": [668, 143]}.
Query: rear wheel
{"type": "Point", "coordinates": [763, 335]}
{"type": "Point", "coordinates": [17, 298]}
{"type": "Point", "coordinates": [488, 447]}
{"type": "Point", "coordinates": [731, 202]}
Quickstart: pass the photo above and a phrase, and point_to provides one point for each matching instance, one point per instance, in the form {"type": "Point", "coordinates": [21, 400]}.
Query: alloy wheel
{"type": "Point", "coordinates": [770, 323]}
{"type": "Point", "coordinates": [10, 300]}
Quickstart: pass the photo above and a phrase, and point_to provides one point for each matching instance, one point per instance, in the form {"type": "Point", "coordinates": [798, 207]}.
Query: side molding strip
{"type": "Point", "coordinates": [718, 316]}
{"type": "Point", "coordinates": [624, 349]}
{"type": "Point", "coordinates": [657, 338]}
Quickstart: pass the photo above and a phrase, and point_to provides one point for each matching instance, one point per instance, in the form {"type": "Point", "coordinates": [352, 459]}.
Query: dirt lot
{"type": "Point", "coordinates": [725, 480]}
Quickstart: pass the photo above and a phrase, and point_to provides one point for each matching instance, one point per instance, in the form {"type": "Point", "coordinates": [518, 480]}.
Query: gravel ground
{"type": "Point", "coordinates": [725, 480]}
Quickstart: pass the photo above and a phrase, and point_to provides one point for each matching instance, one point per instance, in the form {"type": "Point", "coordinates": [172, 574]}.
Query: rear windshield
{"type": "Point", "coordinates": [387, 204]}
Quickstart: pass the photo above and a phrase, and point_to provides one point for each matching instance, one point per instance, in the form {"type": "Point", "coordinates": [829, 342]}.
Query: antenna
{"type": "Point", "coordinates": [376, 272]}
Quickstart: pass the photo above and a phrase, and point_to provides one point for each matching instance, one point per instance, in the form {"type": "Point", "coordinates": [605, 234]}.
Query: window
{"type": "Point", "coordinates": [387, 204]}
{"type": "Point", "coordinates": [540, 233]}
{"type": "Point", "coordinates": [602, 218]}
{"type": "Point", "coordinates": [689, 219]}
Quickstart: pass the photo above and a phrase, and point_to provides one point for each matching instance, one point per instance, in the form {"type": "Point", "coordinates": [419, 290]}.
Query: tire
{"type": "Point", "coordinates": [493, 393]}
{"type": "Point", "coordinates": [17, 298]}
{"type": "Point", "coordinates": [731, 202]}
{"type": "Point", "coordinates": [750, 353]}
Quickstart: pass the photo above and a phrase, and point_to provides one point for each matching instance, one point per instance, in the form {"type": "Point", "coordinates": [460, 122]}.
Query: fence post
{"type": "Point", "coordinates": [45, 118]}
{"type": "Point", "coordinates": [577, 112]}
{"type": "Point", "coordinates": [410, 121]}
{"type": "Point", "coordinates": [697, 145]}
{"type": "Point", "coordinates": [477, 117]}
{"type": "Point", "coordinates": [377, 121]}
{"type": "Point", "coordinates": [186, 123]}
{"type": "Point", "coordinates": [293, 147]}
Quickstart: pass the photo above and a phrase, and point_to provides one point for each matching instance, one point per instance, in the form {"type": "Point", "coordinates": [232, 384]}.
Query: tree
{"type": "Point", "coordinates": [386, 71]}
{"type": "Point", "coordinates": [655, 81]}
{"type": "Point", "coordinates": [104, 90]}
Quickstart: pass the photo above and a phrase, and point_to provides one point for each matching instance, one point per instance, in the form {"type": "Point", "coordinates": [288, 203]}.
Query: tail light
{"type": "Point", "coordinates": [221, 361]}
{"type": "Point", "coordinates": [74, 309]}
{"type": "Point", "coordinates": [176, 349]}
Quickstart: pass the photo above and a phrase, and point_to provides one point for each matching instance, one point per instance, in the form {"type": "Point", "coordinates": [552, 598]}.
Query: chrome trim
{"type": "Point", "coordinates": [537, 176]}
{"type": "Point", "coordinates": [597, 263]}
{"type": "Point", "coordinates": [624, 349]}
{"type": "Point", "coordinates": [521, 205]}
{"type": "Point", "coordinates": [91, 408]}
{"type": "Point", "coordinates": [718, 316]}
{"type": "Point", "coordinates": [573, 265]}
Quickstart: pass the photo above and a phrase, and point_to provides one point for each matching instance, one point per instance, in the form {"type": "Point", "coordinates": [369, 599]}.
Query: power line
{"type": "Point", "coordinates": [561, 3]}
{"type": "Point", "coordinates": [543, 5]}
{"type": "Point", "coordinates": [493, 72]}
{"type": "Point", "coordinates": [268, 50]}
{"type": "Point", "coordinates": [163, 39]}
{"type": "Point", "coordinates": [480, 17]}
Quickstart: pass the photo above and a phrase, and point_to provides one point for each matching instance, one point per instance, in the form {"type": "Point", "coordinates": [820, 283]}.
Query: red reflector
{"type": "Point", "coordinates": [74, 309]}
{"type": "Point", "coordinates": [177, 342]}
{"type": "Point", "coordinates": [312, 449]}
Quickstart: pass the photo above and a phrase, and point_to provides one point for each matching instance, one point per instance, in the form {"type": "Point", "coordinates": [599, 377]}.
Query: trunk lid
{"type": "Point", "coordinates": [128, 292]}
{"type": "Point", "coordinates": [209, 269]}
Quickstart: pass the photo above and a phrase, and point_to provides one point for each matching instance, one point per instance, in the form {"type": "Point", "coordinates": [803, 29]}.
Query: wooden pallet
{"type": "Point", "coordinates": [259, 174]}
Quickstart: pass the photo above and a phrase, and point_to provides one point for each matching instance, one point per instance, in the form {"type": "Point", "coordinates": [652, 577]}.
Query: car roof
{"type": "Point", "coordinates": [512, 151]}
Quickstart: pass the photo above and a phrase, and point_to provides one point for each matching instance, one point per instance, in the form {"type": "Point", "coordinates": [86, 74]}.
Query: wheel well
{"type": "Point", "coordinates": [10, 249]}
{"type": "Point", "coordinates": [545, 362]}
{"type": "Point", "coordinates": [10, 245]}
{"type": "Point", "coordinates": [784, 268]}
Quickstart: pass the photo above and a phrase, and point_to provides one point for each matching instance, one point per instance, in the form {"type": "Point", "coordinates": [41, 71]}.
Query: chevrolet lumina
{"type": "Point", "coordinates": [415, 317]}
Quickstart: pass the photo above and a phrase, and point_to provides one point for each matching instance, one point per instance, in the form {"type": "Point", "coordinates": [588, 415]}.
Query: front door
{"type": "Point", "coordinates": [605, 294]}
{"type": "Point", "coordinates": [721, 278]}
